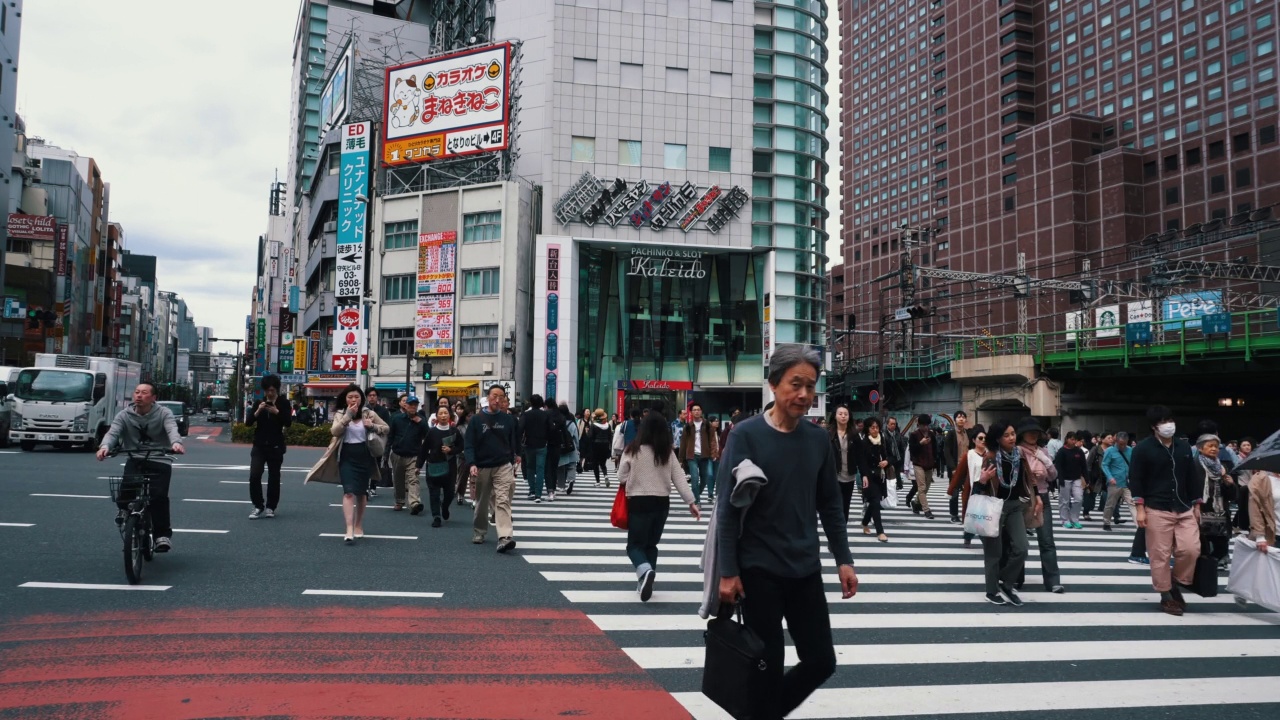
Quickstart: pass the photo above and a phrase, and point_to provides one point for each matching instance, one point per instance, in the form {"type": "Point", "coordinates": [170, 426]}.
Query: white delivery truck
{"type": "Point", "coordinates": [70, 399]}
{"type": "Point", "coordinates": [7, 376]}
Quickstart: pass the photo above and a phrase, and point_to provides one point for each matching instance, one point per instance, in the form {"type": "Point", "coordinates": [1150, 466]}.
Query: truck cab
{"type": "Point", "coordinates": [8, 375]}
{"type": "Point", "coordinates": [69, 400]}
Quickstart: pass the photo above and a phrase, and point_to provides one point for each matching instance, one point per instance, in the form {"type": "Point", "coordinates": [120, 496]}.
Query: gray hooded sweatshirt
{"type": "Point", "coordinates": [131, 430]}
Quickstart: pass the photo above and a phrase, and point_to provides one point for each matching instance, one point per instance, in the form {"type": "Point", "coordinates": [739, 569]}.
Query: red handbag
{"type": "Point", "coordinates": [618, 516]}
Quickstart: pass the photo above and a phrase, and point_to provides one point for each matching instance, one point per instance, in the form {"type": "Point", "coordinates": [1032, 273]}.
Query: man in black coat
{"type": "Point", "coordinates": [269, 418]}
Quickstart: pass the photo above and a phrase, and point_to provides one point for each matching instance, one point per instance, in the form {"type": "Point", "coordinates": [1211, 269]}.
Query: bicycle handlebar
{"type": "Point", "coordinates": [143, 452]}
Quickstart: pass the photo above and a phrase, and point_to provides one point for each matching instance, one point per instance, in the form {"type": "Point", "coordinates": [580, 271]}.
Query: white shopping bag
{"type": "Point", "coordinates": [1254, 576]}
{"type": "Point", "coordinates": [982, 518]}
{"type": "Point", "coordinates": [890, 500]}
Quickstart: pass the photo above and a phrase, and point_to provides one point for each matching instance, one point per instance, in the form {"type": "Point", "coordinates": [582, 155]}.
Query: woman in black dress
{"type": "Point", "coordinates": [872, 460]}
{"type": "Point", "coordinates": [441, 454]}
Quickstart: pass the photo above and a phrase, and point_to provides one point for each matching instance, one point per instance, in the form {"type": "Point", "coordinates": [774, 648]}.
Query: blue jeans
{"type": "Point", "coordinates": [700, 475]}
{"type": "Point", "coordinates": [535, 467]}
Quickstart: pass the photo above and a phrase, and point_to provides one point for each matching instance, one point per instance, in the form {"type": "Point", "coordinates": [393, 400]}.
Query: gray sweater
{"type": "Point", "coordinates": [644, 477]}
{"type": "Point", "coordinates": [780, 531]}
{"type": "Point", "coordinates": [131, 431]}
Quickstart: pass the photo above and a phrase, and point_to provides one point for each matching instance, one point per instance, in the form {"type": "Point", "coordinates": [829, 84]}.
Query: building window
{"type": "Point", "coordinates": [718, 159]}
{"type": "Point", "coordinates": [400, 235]}
{"type": "Point", "coordinates": [399, 288]}
{"type": "Point", "coordinates": [1171, 195]}
{"type": "Point", "coordinates": [1009, 203]}
{"type": "Point", "coordinates": [583, 149]}
{"type": "Point", "coordinates": [1218, 183]}
{"type": "Point", "coordinates": [1240, 143]}
{"type": "Point", "coordinates": [396, 342]}
{"type": "Point", "coordinates": [1010, 179]}
{"type": "Point", "coordinates": [675, 157]}
{"type": "Point", "coordinates": [18, 245]}
{"type": "Point", "coordinates": [482, 227]}
{"type": "Point", "coordinates": [478, 340]}
{"type": "Point", "coordinates": [1170, 163]}
{"type": "Point", "coordinates": [629, 152]}
{"type": "Point", "coordinates": [1244, 178]}
{"type": "Point", "coordinates": [480, 283]}
{"type": "Point", "coordinates": [1193, 157]}
{"type": "Point", "coordinates": [721, 84]}
{"type": "Point", "coordinates": [1217, 149]}
{"type": "Point", "coordinates": [631, 75]}
{"type": "Point", "coordinates": [584, 71]}
{"type": "Point", "coordinates": [677, 80]}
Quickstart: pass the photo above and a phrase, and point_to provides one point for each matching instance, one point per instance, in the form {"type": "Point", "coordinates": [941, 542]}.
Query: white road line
{"type": "Point", "coordinates": [366, 507]}
{"type": "Point", "coordinates": [17, 524]}
{"type": "Point", "coordinates": [694, 597]}
{"type": "Point", "coordinates": [860, 551]}
{"type": "Point", "coordinates": [234, 502]}
{"type": "Point", "coordinates": [684, 560]}
{"type": "Point", "coordinates": [203, 532]}
{"type": "Point", "coordinates": [90, 586]}
{"type": "Point", "coordinates": [234, 482]}
{"type": "Point", "coordinates": [932, 700]}
{"type": "Point", "coordinates": [90, 497]}
{"type": "Point", "coordinates": [373, 537]}
{"type": "Point", "coordinates": [374, 593]}
{"type": "Point", "coordinates": [203, 437]}
{"type": "Point", "coordinates": [973, 621]}
{"type": "Point", "coordinates": [1068, 580]}
{"type": "Point", "coordinates": [652, 658]}
{"type": "Point", "coordinates": [856, 541]}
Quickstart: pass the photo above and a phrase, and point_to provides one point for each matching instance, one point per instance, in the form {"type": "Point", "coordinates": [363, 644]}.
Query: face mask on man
{"type": "Point", "coordinates": [1166, 429]}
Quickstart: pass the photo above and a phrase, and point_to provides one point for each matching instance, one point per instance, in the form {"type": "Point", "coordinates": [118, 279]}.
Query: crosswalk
{"type": "Point", "coordinates": [919, 639]}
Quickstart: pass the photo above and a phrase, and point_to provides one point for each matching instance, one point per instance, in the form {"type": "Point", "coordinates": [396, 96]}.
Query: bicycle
{"type": "Point", "coordinates": [134, 520]}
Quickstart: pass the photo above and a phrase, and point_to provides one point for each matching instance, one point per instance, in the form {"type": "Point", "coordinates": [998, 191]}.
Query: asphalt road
{"type": "Point", "coordinates": [553, 629]}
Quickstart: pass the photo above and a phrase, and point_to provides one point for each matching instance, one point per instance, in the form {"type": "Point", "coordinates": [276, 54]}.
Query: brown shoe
{"type": "Point", "coordinates": [1171, 607]}
{"type": "Point", "coordinates": [1177, 597]}
{"type": "Point", "coordinates": [398, 507]}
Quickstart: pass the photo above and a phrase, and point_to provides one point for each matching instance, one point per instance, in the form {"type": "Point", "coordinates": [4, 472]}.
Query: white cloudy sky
{"type": "Point", "coordinates": [185, 107]}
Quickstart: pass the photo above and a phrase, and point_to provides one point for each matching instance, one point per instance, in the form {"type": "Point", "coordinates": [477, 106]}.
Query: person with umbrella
{"type": "Point", "coordinates": [1264, 490]}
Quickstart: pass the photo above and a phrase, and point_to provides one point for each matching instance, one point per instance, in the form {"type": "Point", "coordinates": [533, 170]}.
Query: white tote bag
{"type": "Point", "coordinates": [982, 518]}
{"type": "Point", "coordinates": [890, 500]}
{"type": "Point", "coordinates": [1255, 576]}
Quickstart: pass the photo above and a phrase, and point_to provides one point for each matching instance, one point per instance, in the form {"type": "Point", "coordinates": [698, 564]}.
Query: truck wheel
{"type": "Point", "coordinates": [96, 442]}
{"type": "Point", "coordinates": [26, 445]}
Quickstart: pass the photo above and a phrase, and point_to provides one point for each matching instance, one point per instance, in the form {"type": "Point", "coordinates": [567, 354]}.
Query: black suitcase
{"type": "Point", "coordinates": [734, 673]}
{"type": "Point", "coordinates": [1205, 581]}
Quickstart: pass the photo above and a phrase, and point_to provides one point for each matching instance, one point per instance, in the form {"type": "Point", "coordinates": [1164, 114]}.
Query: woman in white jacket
{"type": "Point", "coordinates": [647, 472]}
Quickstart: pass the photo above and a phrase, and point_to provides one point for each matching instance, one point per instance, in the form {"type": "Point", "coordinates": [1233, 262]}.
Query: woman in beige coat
{"type": "Point", "coordinates": [348, 460]}
{"type": "Point", "coordinates": [1264, 491]}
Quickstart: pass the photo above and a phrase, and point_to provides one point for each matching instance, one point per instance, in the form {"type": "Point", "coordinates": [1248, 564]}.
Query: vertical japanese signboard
{"type": "Point", "coordinates": [437, 268]}
{"type": "Point", "coordinates": [348, 339]}
{"type": "Point", "coordinates": [286, 357]}
{"type": "Point", "coordinates": [353, 181]}
{"type": "Point", "coordinates": [552, 336]}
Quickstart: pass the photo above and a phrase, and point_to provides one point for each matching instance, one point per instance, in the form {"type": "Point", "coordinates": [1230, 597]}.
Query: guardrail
{"type": "Point", "coordinates": [1252, 332]}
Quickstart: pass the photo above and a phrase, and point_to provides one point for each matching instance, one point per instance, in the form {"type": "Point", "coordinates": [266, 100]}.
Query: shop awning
{"type": "Point", "coordinates": [458, 388]}
{"type": "Point", "coordinates": [326, 385]}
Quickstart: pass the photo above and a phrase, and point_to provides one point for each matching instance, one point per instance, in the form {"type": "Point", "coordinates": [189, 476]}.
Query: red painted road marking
{"type": "Point", "coordinates": [395, 663]}
{"type": "Point", "coordinates": [209, 433]}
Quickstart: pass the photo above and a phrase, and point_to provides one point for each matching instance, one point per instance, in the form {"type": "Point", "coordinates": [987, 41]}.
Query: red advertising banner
{"type": "Point", "coordinates": [31, 227]}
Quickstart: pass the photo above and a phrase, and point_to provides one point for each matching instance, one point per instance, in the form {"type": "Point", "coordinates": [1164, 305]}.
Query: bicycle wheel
{"type": "Point", "coordinates": [144, 536]}
{"type": "Point", "coordinates": [134, 542]}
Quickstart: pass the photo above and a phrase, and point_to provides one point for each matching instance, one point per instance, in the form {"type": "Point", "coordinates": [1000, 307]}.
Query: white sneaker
{"type": "Point", "coordinates": [163, 544]}
{"type": "Point", "coordinates": [255, 514]}
{"type": "Point", "coordinates": [268, 513]}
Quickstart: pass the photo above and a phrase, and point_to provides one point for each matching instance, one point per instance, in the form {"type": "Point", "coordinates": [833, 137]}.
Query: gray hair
{"type": "Point", "coordinates": [787, 357]}
{"type": "Point", "coordinates": [1122, 437]}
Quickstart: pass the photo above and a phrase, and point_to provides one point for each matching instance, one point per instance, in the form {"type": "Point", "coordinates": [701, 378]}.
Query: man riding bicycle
{"type": "Point", "coordinates": [143, 425]}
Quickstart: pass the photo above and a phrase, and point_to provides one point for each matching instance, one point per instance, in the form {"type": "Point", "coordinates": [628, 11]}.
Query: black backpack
{"type": "Point", "coordinates": [567, 443]}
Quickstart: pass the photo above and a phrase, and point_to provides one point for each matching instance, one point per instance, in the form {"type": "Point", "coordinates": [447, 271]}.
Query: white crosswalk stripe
{"type": "Point", "coordinates": [920, 603]}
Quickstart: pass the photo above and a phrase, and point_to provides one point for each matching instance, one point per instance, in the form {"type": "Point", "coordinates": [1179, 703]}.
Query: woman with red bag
{"type": "Point", "coordinates": [646, 473]}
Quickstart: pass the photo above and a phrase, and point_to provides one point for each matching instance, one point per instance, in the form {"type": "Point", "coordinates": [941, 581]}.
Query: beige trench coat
{"type": "Point", "coordinates": [326, 469]}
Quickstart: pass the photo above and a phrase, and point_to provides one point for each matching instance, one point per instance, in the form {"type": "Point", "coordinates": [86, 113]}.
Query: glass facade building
{"type": "Point", "coordinates": [789, 169]}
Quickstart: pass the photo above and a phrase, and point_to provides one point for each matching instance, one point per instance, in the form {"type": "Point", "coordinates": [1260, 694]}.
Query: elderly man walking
{"type": "Point", "coordinates": [767, 555]}
{"type": "Point", "coordinates": [492, 448]}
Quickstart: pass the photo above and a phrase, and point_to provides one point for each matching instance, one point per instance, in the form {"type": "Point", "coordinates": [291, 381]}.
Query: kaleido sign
{"type": "Point", "coordinates": [639, 203]}
{"type": "Point", "coordinates": [666, 263]}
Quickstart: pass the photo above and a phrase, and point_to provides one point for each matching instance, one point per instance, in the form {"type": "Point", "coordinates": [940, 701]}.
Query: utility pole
{"type": "Point", "coordinates": [238, 380]}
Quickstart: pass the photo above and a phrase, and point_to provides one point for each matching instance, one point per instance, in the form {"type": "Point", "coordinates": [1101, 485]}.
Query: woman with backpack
{"type": "Point", "coordinates": [601, 442]}
{"type": "Point", "coordinates": [647, 471]}
{"type": "Point", "coordinates": [570, 459]}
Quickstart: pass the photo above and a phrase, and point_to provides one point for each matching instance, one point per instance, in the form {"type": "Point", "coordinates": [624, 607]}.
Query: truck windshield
{"type": "Point", "coordinates": [219, 403]}
{"type": "Point", "coordinates": [55, 385]}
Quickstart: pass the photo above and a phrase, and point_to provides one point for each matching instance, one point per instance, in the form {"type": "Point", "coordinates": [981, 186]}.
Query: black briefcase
{"type": "Point", "coordinates": [1205, 581]}
{"type": "Point", "coordinates": [733, 675]}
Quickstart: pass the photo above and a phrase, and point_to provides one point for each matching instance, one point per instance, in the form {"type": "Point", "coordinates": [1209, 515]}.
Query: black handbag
{"type": "Point", "coordinates": [1205, 581]}
{"type": "Point", "coordinates": [733, 675]}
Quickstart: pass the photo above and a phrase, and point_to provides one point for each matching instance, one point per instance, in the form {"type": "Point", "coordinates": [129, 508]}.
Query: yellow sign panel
{"type": "Point", "coordinates": [766, 313]}
{"type": "Point", "coordinates": [300, 352]}
{"type": "Point", "coordinates": [395, 152]}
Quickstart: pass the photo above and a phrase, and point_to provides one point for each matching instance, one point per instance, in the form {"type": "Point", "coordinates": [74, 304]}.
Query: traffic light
{"type": "Point", "coordinates": [33, 319]}
{"type": "Point", "coordinates": [426, 370]}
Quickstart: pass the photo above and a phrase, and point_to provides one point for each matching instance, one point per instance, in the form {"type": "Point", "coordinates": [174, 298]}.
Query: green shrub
{"type": "Point", "coordinates": [241, 433]}
{"type": "Point", "coordinates": [296, 435]}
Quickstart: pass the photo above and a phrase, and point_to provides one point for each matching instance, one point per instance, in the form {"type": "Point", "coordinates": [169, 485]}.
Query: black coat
{"type": "Point", "coordinates": [869, 456]}
{"type": "Point", "coordinates": [851, 440]}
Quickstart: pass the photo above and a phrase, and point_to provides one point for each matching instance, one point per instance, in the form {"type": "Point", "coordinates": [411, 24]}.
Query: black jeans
{"type": "Point", "coordinates": [272, 459]}
{"type": "Point", "coordinates": [871, 513]}
{"type": "Point", "coordinates": [160, 474]}
{"type": "Point", "coordinates": [954, 504]}
{"type": "Point", "coordinates": [766, 601]}
{"type": "Point", "coordinates": [646, 518]}
{"type": "Point", "coordinates": [846, 495]}
{"type": "Point", "coordinates": [438, 486]}
{"type": "Point", "coordinates": [1139, 548]}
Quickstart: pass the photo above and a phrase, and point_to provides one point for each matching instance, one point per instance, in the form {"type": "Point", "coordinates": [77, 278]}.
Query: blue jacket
{"type": "Point", "coordinates": [1115, 467]}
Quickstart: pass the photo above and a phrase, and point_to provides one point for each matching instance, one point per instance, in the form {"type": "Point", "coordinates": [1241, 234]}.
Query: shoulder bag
{"type": "Point", "coordinates": [376, 443]}
{"type": "Point", "coordinates": [734, 673]}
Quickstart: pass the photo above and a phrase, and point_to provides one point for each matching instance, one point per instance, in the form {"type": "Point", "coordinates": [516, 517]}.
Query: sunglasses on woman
{"type": "Point", "coordinates": [981, 438]}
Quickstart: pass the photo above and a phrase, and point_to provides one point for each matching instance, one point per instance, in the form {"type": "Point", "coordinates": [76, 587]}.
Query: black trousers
{"type": "Point", "coordinates": [160, 474]}
{"type": "Point", "coordinates": [767, 600]}
{"type": "Point", "coordinates": [955, 504]}
{"type": "Point", "coordinates": [846, 494]}
{"type": "Point", "coordinates": [646, 518]}
{"type": "Point", "coordinates": [1139, 548]}
{"type": "Point", "coordinates": [440, 490]}
{"type": "Point", "coordinates": [271, 458]}
{"type": "Point", "coordinates": [871, 513]}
